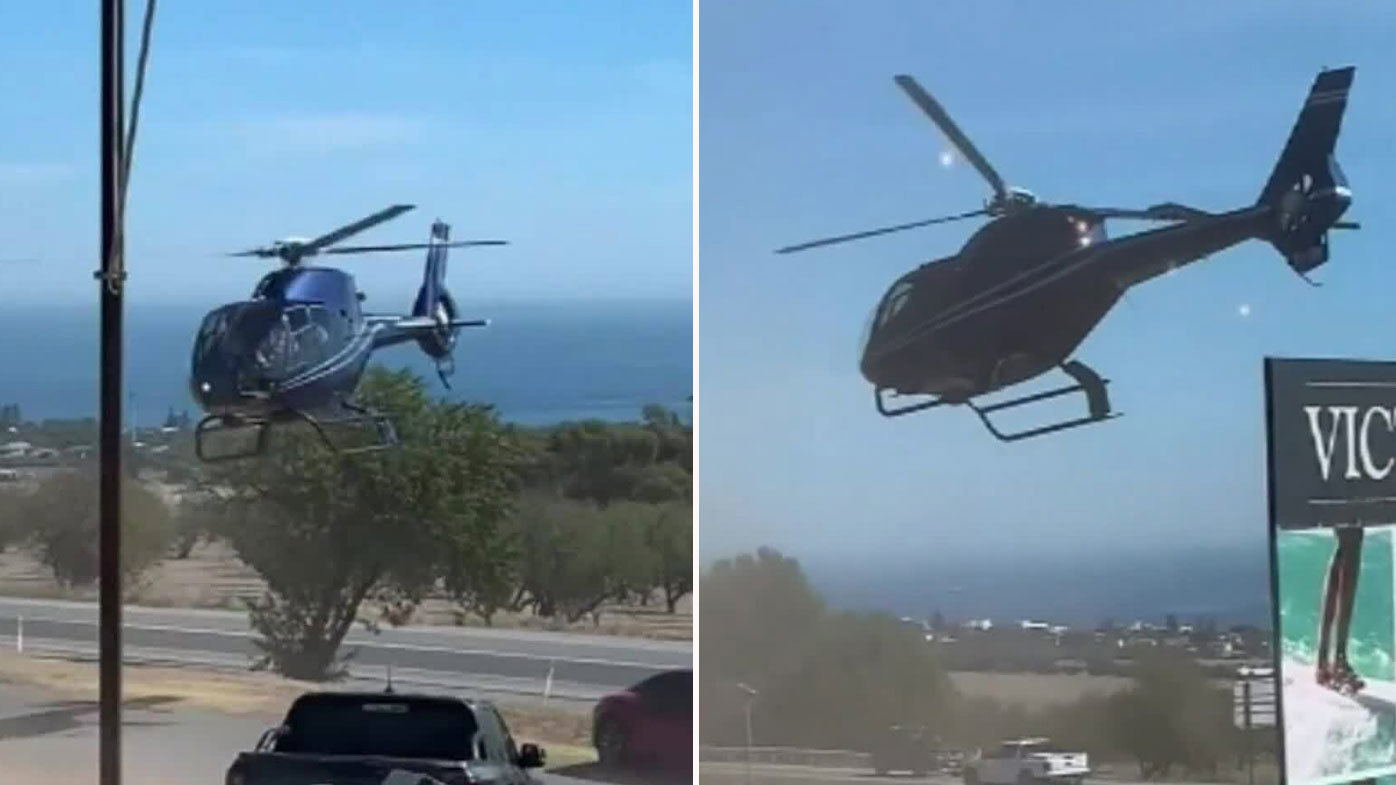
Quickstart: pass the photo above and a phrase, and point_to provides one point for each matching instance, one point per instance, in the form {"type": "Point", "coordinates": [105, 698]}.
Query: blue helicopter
{"type": "Point", "coordinates": [295, 351]}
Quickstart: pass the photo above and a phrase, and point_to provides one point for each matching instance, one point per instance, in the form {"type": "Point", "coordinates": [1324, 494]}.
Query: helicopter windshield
{"type": "Point", "coordinates": [270, 340]}
{"type": "Point", "coordinates": [234, 328]}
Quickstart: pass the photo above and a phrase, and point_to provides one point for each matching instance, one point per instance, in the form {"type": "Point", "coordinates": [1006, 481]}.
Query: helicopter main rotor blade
{"type": "Point", "coordinates": [260, 252]}
{"type": "Point", "coordinates": [410, 246]}
{"type": "Point", "coordinates": [957, 137]}
{"type": "Point", "coordinates": [349, 230]}
{"type": "Point", "coordinates": [875, 232]}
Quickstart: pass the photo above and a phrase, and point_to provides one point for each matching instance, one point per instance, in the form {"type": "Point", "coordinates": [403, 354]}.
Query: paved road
{"type": "Point", "coordinates": [762, 774]}
{"type": "Point", "coordinates": [578, 667]}
{"type": "Point", "coordinates": [50, 741]}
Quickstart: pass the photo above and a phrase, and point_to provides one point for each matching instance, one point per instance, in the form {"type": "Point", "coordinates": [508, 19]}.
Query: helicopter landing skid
{"type": "Point", "coordinates": [1087, 381]}
{"type": "Point", "coordinates": [387, 435]}
{"type": "Point", "coordinates": [215, 423]}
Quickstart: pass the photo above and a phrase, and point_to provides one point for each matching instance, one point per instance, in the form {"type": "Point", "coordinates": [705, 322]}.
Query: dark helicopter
{"type": "Point", "coordinates": [296, 349]}
{"type": "Point", "coordinates": [1030, 285]}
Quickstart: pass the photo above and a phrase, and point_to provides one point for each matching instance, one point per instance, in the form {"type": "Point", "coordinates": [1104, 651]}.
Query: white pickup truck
{"type": "Point", "coordinates": [1027, 762]}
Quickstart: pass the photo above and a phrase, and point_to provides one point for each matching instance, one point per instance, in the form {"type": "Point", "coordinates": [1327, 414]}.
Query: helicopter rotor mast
{"type": "Point", "coordinates": [291, 252]}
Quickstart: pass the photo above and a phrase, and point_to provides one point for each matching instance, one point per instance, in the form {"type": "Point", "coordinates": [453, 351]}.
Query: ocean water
{"type": "Point", "coordinates": [1228, 583]}
{"type": "Point", "coordinates": [538, 363]}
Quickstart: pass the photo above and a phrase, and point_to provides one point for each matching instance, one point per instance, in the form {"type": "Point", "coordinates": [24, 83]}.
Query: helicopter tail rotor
{"type": "Point", "coordinates": [434, 302]}
{"type": "Point", "coordinates": [1307, 192]}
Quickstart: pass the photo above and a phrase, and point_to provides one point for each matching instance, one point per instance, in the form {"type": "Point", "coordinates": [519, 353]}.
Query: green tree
{"type": "Point", "coordinates": [669, 537]}
{"type": "Point", "coordinates": [329, 532]}
{"type": "Point", "coordinates": [60, 523]}
{"type": "Point", "coordinates": [861, 674]}
{"type": "Point", "coordinates": [576, 556]}
{"type": "Point", "coordinates": [1172, 717]}
{"type": "Point", "coordinates": [195, 519]}
{"type": "Point", "coordinates": [758, 615]}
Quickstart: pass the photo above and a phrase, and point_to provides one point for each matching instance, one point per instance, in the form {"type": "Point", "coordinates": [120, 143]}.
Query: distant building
{"type": "Point", "coordinates": [16, 449]}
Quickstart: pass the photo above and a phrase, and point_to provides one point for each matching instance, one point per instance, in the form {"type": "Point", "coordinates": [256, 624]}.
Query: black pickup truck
{"type": "Point", "coordinates": [356, 738]}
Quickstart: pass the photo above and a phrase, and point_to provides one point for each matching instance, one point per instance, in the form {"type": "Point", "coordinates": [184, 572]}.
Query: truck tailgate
{"type": "Point", "coordinates": [281, 768]}
{"type": "Point", "coordinates": [1066, 763]}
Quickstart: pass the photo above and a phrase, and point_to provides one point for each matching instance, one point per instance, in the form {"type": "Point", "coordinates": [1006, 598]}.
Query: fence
{"type": "Point", "coordinates": [787, 756]}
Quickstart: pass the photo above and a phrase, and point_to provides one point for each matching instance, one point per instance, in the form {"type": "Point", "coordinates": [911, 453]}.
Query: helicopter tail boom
{"type": "Point", "coordinates": [1307, 192]}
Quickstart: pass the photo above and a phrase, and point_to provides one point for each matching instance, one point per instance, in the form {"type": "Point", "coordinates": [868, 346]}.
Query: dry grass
{"type": "Point", "coordinates": [1035, 691]}
{"type": "Point", "coordinates": [1040, 690]}
{"type": "Point", "coordinates": [213, 577]}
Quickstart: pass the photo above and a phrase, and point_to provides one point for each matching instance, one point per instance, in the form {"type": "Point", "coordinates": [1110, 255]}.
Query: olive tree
{"type": "Point", "coordinates": [328, 532]}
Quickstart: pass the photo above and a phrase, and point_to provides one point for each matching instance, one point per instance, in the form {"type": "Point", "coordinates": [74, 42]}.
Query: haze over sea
{"type": "Point", "coordinates": [538, 362]}
{"type": "Point", "coordinates": [1227, 583]}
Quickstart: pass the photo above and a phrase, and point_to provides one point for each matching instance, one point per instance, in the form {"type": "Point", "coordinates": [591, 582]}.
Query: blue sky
{"type": "Point", "coordinates": [563, 127]}
{"type": "Point", "coordinates": [803, 135]}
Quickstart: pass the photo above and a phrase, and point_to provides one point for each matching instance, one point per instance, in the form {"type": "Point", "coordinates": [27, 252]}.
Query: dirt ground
{"type": "Point", "coordinates": [213, 577]}
{"type": "Point", "coordinates": [564, 727]}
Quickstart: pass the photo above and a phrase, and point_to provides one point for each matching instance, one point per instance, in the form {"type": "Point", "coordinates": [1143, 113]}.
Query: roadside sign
{"type": "Point", "coordinates": [1331, 468]}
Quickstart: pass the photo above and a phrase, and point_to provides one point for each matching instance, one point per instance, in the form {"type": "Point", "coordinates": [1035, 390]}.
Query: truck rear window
{"type": "Point", "coordinates": [338, 725]}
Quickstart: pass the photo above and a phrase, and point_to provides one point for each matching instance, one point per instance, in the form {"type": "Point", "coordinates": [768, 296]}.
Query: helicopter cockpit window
{"type": "Point", "coordinates": [297, 341]}
{"type": "Point", "coordinates": [896, 299]}
{"type": "Point", "coordinates": [214, 327]}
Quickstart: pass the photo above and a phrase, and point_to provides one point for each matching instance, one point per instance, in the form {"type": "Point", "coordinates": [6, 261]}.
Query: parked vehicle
{"type": "Point", "coordinates": [1027, 762]}
{"type": "Point", "coordinates": [648, 725]}
{"type": "Point", "coordinates": [351, 737]}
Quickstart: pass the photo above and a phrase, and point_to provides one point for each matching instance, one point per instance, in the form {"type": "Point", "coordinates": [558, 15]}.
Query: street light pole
{"type": "Point", "coordinates": [750, 700]}
{"type": "Point", "coordinates": [110, 278]}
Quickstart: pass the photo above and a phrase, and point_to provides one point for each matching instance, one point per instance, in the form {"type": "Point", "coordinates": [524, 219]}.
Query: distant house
{"type": "Point", "coordinates": [16, 449]}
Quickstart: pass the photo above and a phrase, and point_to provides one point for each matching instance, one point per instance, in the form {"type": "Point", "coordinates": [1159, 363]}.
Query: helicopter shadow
{"type": "Point", "coordinates": [58, 717]}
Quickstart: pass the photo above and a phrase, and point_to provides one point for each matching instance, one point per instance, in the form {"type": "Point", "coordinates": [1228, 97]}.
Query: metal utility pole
{"type": "Point", "coordinates": [750, 700]}
{"type": "Point", "coordinates": [111, 278]}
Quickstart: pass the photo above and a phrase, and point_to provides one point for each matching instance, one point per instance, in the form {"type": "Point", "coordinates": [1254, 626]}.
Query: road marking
{"type": "Point", "coordinates": [483, 682]}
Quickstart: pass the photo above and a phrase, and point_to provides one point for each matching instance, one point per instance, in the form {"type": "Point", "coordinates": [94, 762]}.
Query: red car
{"type": "Point", "coordinates": [648, 725]}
